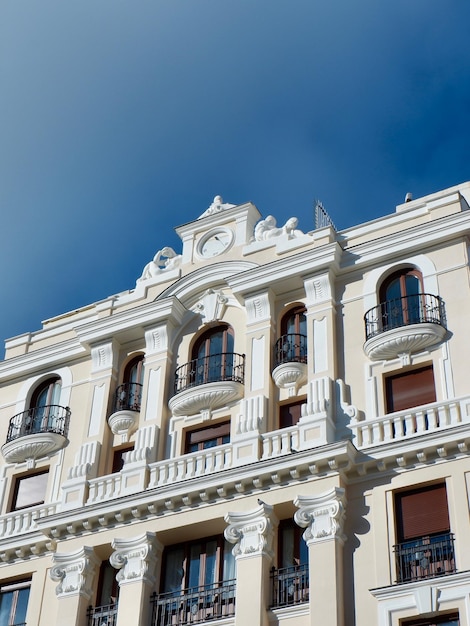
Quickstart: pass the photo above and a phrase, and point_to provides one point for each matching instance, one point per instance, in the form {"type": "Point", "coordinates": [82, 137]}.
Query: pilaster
{"type": "Point", "coordinates": [136, 560]}
{"type": "Point", "coordinates": [323, 519]}
{"type": "Point", "coordinates": [252, 532]}
{"type": "Point", "coordinates": [74, 572]}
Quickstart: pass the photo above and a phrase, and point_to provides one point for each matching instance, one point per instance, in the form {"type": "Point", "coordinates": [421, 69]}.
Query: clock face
{"type": "Point", "coordinates": [215, 242]}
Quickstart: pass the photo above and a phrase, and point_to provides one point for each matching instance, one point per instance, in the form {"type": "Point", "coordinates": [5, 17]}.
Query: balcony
{"type": "Point", "coordinates": [404, 326]}
{"type": "Point", "coordinates": [290, 361]}
{"type": "Point", "coordinates": [208, 383]}
{"type": "Point", "coordinates": [36, 433]}
{"type": "Point", "coordinates": [195, 605]}
{"type": "Point", "coordinates": [425, 557]}
{"type": "Point", "coordinates": [290, 586]}
{"type": "Point", "coordinates": [125, 416]}
{"type": "Point", "coordinates": [102, 615]}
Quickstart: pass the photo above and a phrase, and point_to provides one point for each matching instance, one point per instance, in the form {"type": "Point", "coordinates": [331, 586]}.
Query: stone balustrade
{"type": "Point", "coordinates": [19, 522]}
{"type": "Point", "coordinates": [402, 425]}
{"type": "Point", "coordinates": [279, 442]}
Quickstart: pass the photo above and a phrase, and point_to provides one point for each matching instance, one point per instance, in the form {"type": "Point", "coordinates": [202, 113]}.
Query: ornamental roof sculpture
{"type": "Point", "coordinates": [164, 260]}
{"type": "Point", "coordinates": [217, 206]}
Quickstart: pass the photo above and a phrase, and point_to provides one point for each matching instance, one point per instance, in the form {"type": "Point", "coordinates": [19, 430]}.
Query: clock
{"type": "Point", "coordinates": [215, 242]}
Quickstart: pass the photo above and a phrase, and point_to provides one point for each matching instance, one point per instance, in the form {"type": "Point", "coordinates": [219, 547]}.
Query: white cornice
{"type": "Point", "coordinates": [421, 237]}
{"type": "Point", "coordinates": [201, 491]}
{"type": "Point", "coordinates": [41, 359]}
{"type": "Point", "coordinates": [300, 266]}
{"type": "Point", "coordinates": [139, 317]}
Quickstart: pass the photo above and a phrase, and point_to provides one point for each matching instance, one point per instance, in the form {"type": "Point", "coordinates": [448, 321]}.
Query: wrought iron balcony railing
{"type": "Point", "coordinates": [425, 557]}
{"type": "Point", "coordinates": [102, 615]}
{"type": "Point", "coordinates": [194, 606]}
{"type": "Point", "coordinates": [210, 369]}
{"type": "Point", "coordinates": [419, 308]}
{"type": "Point", "coordinates": [40, 419]}
{"type": "Point", "coordinates": [128, 397]}
{"type": "Point", "coordinates": [290, 585]}
{"type": "Point", "coordinates": [290, 348]}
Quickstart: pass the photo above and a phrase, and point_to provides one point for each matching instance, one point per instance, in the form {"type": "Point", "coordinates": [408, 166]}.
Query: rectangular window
{"type": "Point", "coordinates": [197, 583]}
{"type": "Point", "coordinates": [14, 603]}
{"type": "Point", "coordinates": [426, 545]}
{"type": "Point", "coordinates": [289, 414]}
{"type": "Point", "coordinates": [410, 389]}
{"type": "Point", "coordinates": [118, 458]}
{"type": "Point", "coordinates": [29, 490]}
{"type": "Point", "coordinates": [290, 581]}
{"type": "Point", "coordinates": [208, 437]}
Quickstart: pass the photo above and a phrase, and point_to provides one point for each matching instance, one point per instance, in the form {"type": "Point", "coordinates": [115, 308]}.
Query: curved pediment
{"type": "Point", "coordinates": [190, 288]}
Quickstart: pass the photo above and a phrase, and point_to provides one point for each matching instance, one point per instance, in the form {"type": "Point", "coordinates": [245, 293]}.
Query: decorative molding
{"type": "Point", "coordinates": [253, 412]}
{"type": "Point", "coordinates": [103, 356]}
{"type": "Point", "coordinates": [86, 461]}
{"type": "Point", "coordinates": [318, 289]}
{"type": "Point", "coordinates": [156, 339]}
{"type": "Point", "coordinates": [211, 305]}
{"type": "Point", "coordinates": [74, 572]}
{"type": "Point", "coordinates": [290, 376]}
{"type": "Point", "coordinates": [123, 423]}
{"type": "Point", "coordinates": [209, 397]}
{"type": "Point", "coordinates": [32, 447]}
{"type": "Point", "coordinates": [322, 516]}
{"type": "Point", "coordinates": [252, 532]}
{"type": "Point", "coordinates": [136, 558]}
{"type": "Point", "coordinates": [258, 307]}
{"type": "Point", "coordinates": [403, 341]}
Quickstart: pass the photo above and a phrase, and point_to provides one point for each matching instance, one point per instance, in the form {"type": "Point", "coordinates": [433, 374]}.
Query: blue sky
{"type": "Point", "coordinates": [121, 119]}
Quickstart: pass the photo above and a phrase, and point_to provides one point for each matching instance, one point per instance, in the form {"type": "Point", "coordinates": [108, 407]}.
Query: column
{"type": "Point", "coordinates": [136, 560]}
{"type": "Point", "coordinates": [252, 533]}
{"type": "Point", "coordinates": [74, 572]}
{"type": "Point", "coordinates": [323, 519]}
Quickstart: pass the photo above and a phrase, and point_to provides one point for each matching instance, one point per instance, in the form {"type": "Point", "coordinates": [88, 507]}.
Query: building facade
{"type": "Point", "coordinates": [272, 427]}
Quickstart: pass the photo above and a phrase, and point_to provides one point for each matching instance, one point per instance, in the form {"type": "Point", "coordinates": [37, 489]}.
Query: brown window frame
{"type": "Point", "coordinates": [200, 436]}
{"type": "Point", "coordinates": [391, 401]}
{"type": "Point", "coordinates": [295, 312]}
{"type": "Point", "coordinates": [421, 512]}
{"type": "Point", "coordinates": [21, 479]}
{"type": "Point", "coordinates": [285, 411]}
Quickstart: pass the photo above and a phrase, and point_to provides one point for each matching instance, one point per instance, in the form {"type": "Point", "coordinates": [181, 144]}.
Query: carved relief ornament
{"type": "Point", "coordinates": [252, 532]}
{"type": "Point", "coordinates": [136, 558]}
{"type": "Point", "coordinates": [322, 516]}
{"type": "Point", "coordinates": [74, 572]}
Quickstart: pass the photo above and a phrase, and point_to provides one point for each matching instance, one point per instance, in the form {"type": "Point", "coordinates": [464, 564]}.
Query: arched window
{"type": "Point", "coordinates": [212, 355]}
{"type": "Point", "coordinates": [292, 345]}
{"type": "Point", "coordinates": [44, 407]}
{"type": "Point", "coordinates": [129, 394]}
{"type": "Point", "coordinates": [401, 297]}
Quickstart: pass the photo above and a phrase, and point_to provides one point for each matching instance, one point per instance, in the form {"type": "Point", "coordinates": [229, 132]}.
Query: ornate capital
{"type": "Point", "coordinates": [104, 356]}
{"type": "Point", "coordinates": [252, 532]}
{"type": "Point", "coordinates": [74, 572]}
{"type": "Point", "coordinates": [136, 558]}
{"type": "Point", "coordinates": [323, 516]}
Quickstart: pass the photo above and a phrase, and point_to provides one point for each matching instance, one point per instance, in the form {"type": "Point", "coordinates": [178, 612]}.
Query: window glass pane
{"type": "Point", "coordinates": [21, 606]}
{"type": "Point", "coordinates": [30, 490]}
{"type": "Point", "coordinates": [174, 570]}
{"type": "Point", "coordinates": [229, 562]}
{"type": "Point", "coordinates": [6, 604]}
{"type": "Point", "coordinates": [211, 563]}
{"type": "Point", "coordinates": [287, 540]}
{"type": "Point", "coordinates": [194, 565]}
